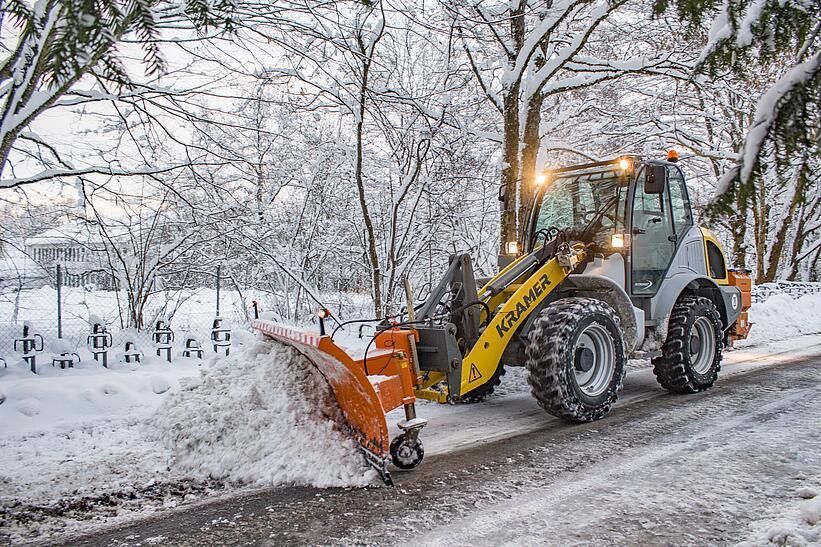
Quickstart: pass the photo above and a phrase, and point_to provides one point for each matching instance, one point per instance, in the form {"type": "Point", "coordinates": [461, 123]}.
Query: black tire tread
{"type": "Point", "coordinates": [672, 369]}
{"type": "Point", "coordinates": [485, 390]}
{"type": "Point", "coordinates": [550, 381]}
{"type": "Point", "coordinates": [418, 447]}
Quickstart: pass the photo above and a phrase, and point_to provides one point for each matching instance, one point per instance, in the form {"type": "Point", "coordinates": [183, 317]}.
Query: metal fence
{"type": "Point", "coordinates": [795, 289]}
{"type": "Point", "coordinates": [61, 319]}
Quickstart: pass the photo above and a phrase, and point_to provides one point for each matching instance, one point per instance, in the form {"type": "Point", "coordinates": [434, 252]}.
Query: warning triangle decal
{"type": "Point", "coordinates": [474, 373]}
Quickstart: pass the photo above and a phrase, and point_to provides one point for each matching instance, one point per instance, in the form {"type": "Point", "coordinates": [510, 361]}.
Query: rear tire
{"type": "Point", "coordinates": [575, 359]}
{"type": "Point", "coordinates": [482, 392]}
{"type": "Point", "coordinates": [691, 354]}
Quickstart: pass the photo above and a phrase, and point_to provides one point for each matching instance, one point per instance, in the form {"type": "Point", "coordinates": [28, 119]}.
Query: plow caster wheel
{"type": "Point", "coordinates": [406, 453]}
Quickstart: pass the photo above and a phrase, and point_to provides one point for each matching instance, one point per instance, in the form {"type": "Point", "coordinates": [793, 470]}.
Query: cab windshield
{"type": "Point", "coordinates": [588, 206]}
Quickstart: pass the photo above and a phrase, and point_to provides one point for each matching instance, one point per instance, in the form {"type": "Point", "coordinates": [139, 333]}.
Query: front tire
{"type": "Point", "coordinates": [575, 359]}
{"type": "Point", "coordinates": [691, 354]}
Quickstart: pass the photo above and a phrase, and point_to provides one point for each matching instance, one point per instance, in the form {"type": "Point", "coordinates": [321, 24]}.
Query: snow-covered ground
{"type": "Point", "coordinates": [798, 524]}
{"type": "Point", "coordinates": [782, 317]}
{"type": "Point", "coordinates": [703, 469]}
{"type": "Point", "coordinates": [108, 443]}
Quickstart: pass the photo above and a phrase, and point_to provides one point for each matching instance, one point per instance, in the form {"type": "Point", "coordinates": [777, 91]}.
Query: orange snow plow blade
{"type": "Point", "coordinates": [363, 400]}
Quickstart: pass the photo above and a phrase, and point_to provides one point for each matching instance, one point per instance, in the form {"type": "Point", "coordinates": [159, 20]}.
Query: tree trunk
{"type": "Point", "coordinates": [373, 256]}
{"type": "Point", "coordinates": [530, 156]}
{"type": "Point", "coordinates": [259, 195]}
{"type": "Point", "coordinates": [761, 217]}
{"type": "Point", "coordinates": [512, 138]}
{"type": "Point", "coordinates": [780, 238]}
{"type": "Point", "coordinates": [738, 226]}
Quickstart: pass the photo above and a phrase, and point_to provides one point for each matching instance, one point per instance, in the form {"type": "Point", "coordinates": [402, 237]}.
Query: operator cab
{"type": "Point", "coordinates": [636, 208]}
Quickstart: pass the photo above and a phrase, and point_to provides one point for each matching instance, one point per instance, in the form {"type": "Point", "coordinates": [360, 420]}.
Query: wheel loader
{"type": "Point", "coordinates": [612, 265]}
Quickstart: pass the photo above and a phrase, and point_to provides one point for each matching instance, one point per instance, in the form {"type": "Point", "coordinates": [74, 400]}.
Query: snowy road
{"type": "Point", "coordinates": [710, 468]}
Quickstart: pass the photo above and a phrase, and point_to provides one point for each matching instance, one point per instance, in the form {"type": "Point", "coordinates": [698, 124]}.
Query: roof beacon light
{"type": "Point", "coordinates": [541, 178]}
{"type": "Point", "coordinates": [624, 164]}
{"type": "Point", "coordinates": [672, 156]}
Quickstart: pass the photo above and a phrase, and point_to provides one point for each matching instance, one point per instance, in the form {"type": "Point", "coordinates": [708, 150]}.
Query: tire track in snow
{"type": "Point", "coordinates": [449, 487]}
{"type": "Point", "coordinates": [455, 428]}
{"type": "Point", "coordinates": [486, 524]}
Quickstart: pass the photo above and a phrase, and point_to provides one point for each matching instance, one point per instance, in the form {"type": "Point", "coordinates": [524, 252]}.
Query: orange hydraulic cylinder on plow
{"type": "Point", "coordinates": [366, 389]}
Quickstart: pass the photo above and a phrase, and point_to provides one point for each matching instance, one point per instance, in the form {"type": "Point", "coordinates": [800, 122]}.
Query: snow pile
{"type": "Point", "coordinates": [810, 511]}
{"type": "Point", "coordinates": [262, 417]}
{"type": "Point", "coordinates": [797, 525]}
{"type": "Point", "coordinates": [88, 445]}
{"type": "Point", "coordinates": [781, 317]}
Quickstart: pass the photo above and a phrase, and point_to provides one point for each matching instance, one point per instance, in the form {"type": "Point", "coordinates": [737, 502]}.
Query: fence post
{"type": "Point", "coordinates": [59, 301]}
{"type": "Point", "coordinates": [219, 271]}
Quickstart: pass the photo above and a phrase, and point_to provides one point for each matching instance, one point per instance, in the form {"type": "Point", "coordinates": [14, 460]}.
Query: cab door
{"type": "Point", "coordinates": [653, 238]}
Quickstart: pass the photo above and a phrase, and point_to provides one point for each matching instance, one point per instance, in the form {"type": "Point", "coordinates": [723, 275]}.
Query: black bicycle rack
{"type": "Point", "coordinates": [66, 359]}
{"type": "Point", "coordinates": [220, 336]}
{"type": "Point", "coordinates": [163, 337]}
{"type": "Point", "coordinates": [98, 342]}
{"type": "Point", "coordinates": [131, 352]}
{"type": "Point", "coordinates": [192, 346]}
{"type": "Point", "coordinates": [30, 344]}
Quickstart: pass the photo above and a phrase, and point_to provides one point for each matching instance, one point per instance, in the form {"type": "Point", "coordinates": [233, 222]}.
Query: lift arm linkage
{"type": "Point", "coordinates": [484, 357]}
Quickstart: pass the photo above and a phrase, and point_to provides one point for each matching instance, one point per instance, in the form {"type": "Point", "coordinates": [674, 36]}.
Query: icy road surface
{"type": "Point", "coordinates": [729, 465]}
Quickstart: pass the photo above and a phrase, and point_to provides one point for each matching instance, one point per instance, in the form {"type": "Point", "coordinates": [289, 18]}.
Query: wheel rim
{"type": "Point", "coordinates": [405, 454]}
{"type": "Point", "coordinates": [702, 345]}
{"type": "Point", "coordinates": [594, 358]}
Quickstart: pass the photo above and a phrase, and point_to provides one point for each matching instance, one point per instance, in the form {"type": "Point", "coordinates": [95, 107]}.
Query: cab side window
{"type": "Point", "coordinates": [715, 260]}
{"type": "Point", "coordinates": [679, 201]}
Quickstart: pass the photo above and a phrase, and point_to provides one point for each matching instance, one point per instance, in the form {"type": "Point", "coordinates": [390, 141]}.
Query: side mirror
{"type": "Point", "coordinates": [655, 179]}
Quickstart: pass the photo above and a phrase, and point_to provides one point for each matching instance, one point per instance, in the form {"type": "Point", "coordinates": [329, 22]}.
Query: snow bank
{"type": "Point", "coordinates": [263, 417]}
{"type": "Point", "coordinates": [781, 317]}
{"type": "Point", "coordinates": [73, 433]}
